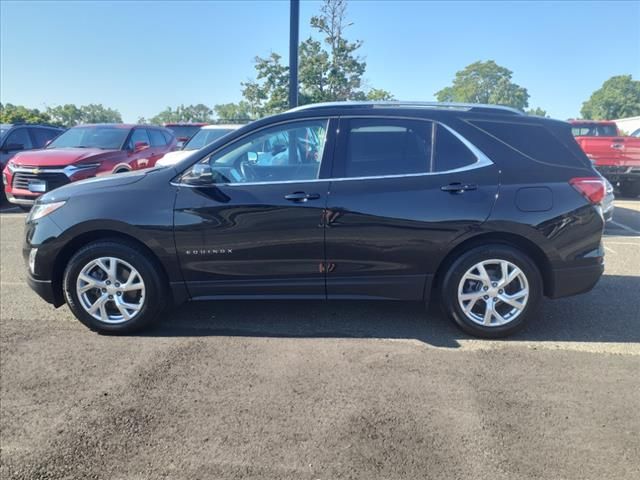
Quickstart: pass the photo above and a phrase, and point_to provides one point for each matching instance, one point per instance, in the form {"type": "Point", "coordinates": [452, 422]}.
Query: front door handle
{"type": "Point", "coordinates": [458, 187]}
{"type": "Point", "coordinates": [301, 196]}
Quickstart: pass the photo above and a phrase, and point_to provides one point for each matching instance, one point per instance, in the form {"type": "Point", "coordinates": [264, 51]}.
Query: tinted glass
{"type": "Point", "coordinates": [139, 135]}
{"type": "Point", "coordinates": [450, 152]}
{"type": "Point", "coordinates": [157, 139]}
{"type": "Point", "coordinates": [184, 131]}
{"type": "Point", "coordinates": [168, 137]}
{"type": "Point", "coordinates": [42, 135]}
{"type": "Point", "coordinates": [106, 138]}
{"type": "Point", "coordinates": [285, 153]}
{"type": "Point", "coordinates": [376, 147]}
{"type": "Point", "coordinates": [533, 141]}
{"type": "Point", "coordinates": [205, 137]}
{"type": "Point", "coordinates": [594, 130]}
{"type": "Point", "coordinates": [19, 136]}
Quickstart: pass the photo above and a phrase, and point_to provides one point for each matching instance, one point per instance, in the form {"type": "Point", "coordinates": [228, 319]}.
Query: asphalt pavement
{"type": "Point", "coordinates": [314, 390]}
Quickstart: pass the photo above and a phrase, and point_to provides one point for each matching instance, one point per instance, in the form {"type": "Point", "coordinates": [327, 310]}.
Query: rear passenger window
{"type": "Point", "coordinates": [157, 139]}
{"type": "Point", "coordinates": [377, 147]}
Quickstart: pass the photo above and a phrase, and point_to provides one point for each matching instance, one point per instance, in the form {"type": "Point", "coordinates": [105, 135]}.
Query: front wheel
{"type": "Point", "coordinates": [491, 291]}
{"type": "Point", "coordinates": [114, 287]}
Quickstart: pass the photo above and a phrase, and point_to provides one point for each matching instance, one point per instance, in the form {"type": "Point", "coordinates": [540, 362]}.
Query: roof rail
{"type": "Point", "coordinates": [467, 107]}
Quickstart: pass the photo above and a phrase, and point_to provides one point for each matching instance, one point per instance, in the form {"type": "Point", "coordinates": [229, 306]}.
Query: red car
{"type": "Point", "coordinates": [615, 156]}
{"type": "Point", "coordinates": [82, 152]}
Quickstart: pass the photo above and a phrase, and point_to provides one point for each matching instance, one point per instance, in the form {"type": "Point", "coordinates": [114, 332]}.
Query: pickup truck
{"type": "Point", "coordinates": [615, 156]}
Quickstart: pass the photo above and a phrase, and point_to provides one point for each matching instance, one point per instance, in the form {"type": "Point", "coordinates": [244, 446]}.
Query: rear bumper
{"type": "Point", "coordinates": [44, 288]}
{"type": "Point", "coordinates": [618, 174]}
{"type": "Point", "coordinates": [574, 280]}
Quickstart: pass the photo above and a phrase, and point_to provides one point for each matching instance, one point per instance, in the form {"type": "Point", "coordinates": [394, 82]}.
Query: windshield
{"type": "Point", "coordinates": [594, 130]}
{"type": "Point", "coordinates": [205, 137]}
{"type": "Point", "coordinates": [183, 131]}
{"type": "Point", "coordinates": [106, 138]}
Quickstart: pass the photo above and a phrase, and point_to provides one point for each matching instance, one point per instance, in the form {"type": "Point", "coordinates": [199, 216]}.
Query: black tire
{"type": "Point", "coordinates": [467, 260]}
{"type": "Point", "coordinates": [630, 189]}
{"type": "Point", "coordinates": [155, 285]}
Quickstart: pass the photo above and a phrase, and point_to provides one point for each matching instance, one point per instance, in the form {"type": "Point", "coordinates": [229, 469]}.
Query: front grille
{"type": "Point", "coordinates": [54, 180]}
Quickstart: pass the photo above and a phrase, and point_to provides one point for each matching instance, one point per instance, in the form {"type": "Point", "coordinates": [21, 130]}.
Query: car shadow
{"type": "Point", "coordinates": [609, 313]}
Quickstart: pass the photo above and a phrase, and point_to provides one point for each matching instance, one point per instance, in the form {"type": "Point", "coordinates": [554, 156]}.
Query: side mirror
{"type": "Point", "coordinates": [11, 147]}
{"type": "Point", "coordinates": [139, 146]}
{"type": "Point", "coordinates": [252, 157]}
{"type": "Point", "coordinates": [202, 173]}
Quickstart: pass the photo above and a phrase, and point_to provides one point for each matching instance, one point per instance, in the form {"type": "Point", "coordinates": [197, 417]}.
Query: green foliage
{"type": "Point", "coordinates": [485, 82]}
{"type": "Point", "coordinates": [10, 113]}
{"type": "Point", "coordinates": [183, 114]}
{"type": "Point", "coordinates": [232, 112]}
{"type": "Point", "coordinates": [69, 115]}
{"type": "Point", "coordinates": [329, 70]}
{"type": "Point", "coordinates": [538, 112]}
{"type": "Point", "coordinates": [619, 97]}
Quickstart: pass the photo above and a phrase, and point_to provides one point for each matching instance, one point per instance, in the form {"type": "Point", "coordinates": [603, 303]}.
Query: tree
{"type": "Point", "coordinates": [66, 115]}
{"type": "Point", "coordinates": [485, 82]}
{"type": "Point", "coordinates": [232, 112]}
{"type": "Point", "coordinates": [329, 70]}
{"type": "Point", "coordinates": [10, 113]}
{"type": "Point", "coordinates": [538, 112]}
{"type": "Point", "coordinates": [97, 113]}
{"type": "Point", "coordinates": [619, 97]}
{"type": "Point", "coordinates": [199, 113]}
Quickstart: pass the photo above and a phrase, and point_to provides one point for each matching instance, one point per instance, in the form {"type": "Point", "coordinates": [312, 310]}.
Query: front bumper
{"type": "Point", "coordinates": [23, 200]}
{"type": "Point", "coordinates": [45, 289]}
{"type": "Point", "coordinates": [565, 282]}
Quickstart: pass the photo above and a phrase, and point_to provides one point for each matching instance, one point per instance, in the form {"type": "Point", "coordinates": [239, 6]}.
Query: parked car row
{"type": "Point", "coordinates": [41, 158]}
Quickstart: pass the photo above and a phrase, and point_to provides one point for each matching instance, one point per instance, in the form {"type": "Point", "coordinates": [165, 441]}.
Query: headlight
{"type": "Point", "coordinates": [44, 209]}
{"type": "Point", "coordinates": [11, 166]}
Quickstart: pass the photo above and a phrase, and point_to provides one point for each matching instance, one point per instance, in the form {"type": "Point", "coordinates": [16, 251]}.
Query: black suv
{"type": "Point", "coordinates": [482, 207]}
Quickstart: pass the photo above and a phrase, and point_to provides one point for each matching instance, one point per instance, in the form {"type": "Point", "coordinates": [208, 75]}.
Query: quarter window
{"type": "Point", "coordinates": [450, 153]}
{"type": "Point", "coordinates": [291, 152]}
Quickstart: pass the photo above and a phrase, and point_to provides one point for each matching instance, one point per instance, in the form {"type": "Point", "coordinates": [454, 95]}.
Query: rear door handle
{"type": "Point", "coordinates": [301, 196]}
{"type": "Point", "coordinates": [458, 187]}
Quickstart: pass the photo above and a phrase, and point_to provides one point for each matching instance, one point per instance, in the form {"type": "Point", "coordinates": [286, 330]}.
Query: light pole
{"type": "Point", "coordinates": [294, 21]}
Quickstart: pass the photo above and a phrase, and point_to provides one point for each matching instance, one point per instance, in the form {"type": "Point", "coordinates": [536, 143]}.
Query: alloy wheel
{"type": "Point", "coordinates": [493, 292]}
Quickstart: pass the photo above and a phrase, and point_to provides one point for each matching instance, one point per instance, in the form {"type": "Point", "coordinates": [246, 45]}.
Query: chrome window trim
{"type": "Point", "coordinates": [482, 160]}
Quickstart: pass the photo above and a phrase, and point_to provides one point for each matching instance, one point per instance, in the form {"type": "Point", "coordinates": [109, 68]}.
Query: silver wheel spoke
{"type": "Point", "coordinates": [116, 303]}
{"type": "Point", "coordinates": [488, 281]}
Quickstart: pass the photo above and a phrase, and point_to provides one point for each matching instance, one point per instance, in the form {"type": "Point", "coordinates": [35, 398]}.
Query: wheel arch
{"type": "Point", "coordinates": [519, 242]}
{"type": "Point", "coordinates": [85, 238]}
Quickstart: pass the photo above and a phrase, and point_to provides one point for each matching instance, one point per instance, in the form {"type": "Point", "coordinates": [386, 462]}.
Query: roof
{"type": "Point", "coordinates": [185, 124]}
{"type": "Point", "coordinates": [117, 125]}
{"type": "Point", "coordinates": [220, 126]}
{"type": "Point", "coordinates": [594, 122]}
{"type": "Point", "coordinates": [467, 107]}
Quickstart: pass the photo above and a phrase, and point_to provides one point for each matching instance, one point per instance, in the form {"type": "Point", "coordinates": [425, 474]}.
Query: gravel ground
{"type": "Point", "coordinates": [308, 390]}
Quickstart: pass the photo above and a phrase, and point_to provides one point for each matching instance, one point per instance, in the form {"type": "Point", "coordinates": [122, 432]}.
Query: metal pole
{"type": "Point", "coordinates": [294, 20]}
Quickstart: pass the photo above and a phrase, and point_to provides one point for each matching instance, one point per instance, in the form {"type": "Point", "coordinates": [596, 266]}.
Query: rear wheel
{"type": "Point", "coordinates": [630, 188]}
{"type": "Point", "coordinates": [492, 291]}
{"type": "Point", "coordinates": [114, 287]}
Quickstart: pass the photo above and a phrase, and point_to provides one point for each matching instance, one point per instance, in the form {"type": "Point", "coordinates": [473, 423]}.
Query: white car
{"type": "Point", "coordinates": [202, 138]}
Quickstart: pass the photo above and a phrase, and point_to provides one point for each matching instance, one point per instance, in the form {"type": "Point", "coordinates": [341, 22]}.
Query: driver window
{"type": "Point", "coordinates": [288, 152]}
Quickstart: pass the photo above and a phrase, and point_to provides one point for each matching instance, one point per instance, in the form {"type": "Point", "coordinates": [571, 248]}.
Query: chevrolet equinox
{"type": "Point", "coordinates": [482, 208]}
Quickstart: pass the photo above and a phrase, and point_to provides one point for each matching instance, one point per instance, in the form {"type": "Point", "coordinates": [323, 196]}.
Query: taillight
{"type": "Point", "coordinates": [592, 188]}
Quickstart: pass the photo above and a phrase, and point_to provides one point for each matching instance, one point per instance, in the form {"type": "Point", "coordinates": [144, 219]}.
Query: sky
{"type": "Point", "coordinates": [141, 56]}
